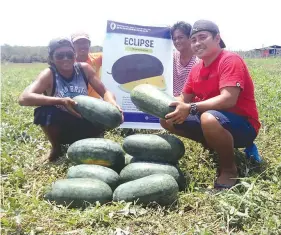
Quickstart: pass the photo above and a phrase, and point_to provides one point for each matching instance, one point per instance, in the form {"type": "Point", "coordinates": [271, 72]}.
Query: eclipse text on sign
{"type": "Point", "coordinates": [139, 42]}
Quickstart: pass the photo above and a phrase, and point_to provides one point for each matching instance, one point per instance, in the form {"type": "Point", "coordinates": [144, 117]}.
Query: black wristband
{"type": "Point", "coordinates": [193, 109]}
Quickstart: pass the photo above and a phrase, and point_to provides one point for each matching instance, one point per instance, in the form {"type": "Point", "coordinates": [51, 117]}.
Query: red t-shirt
{"type": "Point", "coordinates": [228, 69]}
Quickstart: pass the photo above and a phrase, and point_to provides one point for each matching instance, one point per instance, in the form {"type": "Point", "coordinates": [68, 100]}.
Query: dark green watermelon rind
{"type": "Point", "coordinates": [97, 149]}
{"type": "Point", "coordinates": [77, 192]}
{"type": "Point", "coordinates": [159, 188]}
{"type": "Point", "coordinates": [95, 110]}
{"type": "Point", "coordinates": [139, 170]}
{"type": "Point", "coordinates": [102, 173]}
{"type": "Point", "coordinates": [151, 100]}
{"type": "Point", "coordinates": [152, 147]}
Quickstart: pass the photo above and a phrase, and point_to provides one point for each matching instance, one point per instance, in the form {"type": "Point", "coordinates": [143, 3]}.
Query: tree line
{"type": "Point", "coordinates": [28, 54]}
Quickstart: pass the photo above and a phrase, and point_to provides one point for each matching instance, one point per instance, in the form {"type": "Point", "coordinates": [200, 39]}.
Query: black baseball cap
{"type": "Point", "coordinates": [57, 43]}
{"type": "Point", "coordinates": [206, 25]}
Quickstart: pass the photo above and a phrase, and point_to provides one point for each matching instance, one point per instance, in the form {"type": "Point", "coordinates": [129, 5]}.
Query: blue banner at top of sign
{"type": "Point", "coordinates": [149, 31]}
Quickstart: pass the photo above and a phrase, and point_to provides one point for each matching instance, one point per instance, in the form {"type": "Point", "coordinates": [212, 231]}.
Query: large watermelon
{"type": "Point", "coordinates": [139, 170]}
{"type": "Point", "coordinates": [102, 173]}
{"type": "Point", "coordinates": [98, 111]}
{"type": "Point", "coordinates": [79, 192]}
{"type": "Point", "coordinates": [151, 100]}
{"type": "Point", "coordinates": [159, 188]}
{"type": "Point", "coordinates": [152, 147]}
{"type": "Point", "coordinates": [97, 151]}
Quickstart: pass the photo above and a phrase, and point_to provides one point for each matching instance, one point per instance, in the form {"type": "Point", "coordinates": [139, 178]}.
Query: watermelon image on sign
{"type": "Point", "coordinates": [132, 70]}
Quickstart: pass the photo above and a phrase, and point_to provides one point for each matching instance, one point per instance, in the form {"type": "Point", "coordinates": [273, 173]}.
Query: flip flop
{"type": "Point", "coordinates": [223, 186]}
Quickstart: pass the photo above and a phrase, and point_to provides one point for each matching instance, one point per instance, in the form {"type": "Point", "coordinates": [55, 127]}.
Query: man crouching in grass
{"type": "Point", "coordinates": [217, 107]}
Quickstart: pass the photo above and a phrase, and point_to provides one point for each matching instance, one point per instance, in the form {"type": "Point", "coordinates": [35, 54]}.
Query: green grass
{"type": "Point", "coordinates": [253, 207]}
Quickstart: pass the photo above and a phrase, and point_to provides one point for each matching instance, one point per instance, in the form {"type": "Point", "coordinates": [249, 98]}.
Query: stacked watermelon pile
{"type": "Point", "coordinates": [94, 175]}
{"type": "Point", "coordinates": [152, 173]}
{"type": "Point", "coordinates": [100, 174]}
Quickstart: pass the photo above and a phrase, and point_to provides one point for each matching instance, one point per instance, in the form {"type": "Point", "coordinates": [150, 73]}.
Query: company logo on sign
{"type": "Point", "coordinates": [113, 26]}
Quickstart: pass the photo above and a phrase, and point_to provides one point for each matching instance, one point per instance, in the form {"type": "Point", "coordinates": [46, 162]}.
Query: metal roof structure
{"type": "Point", "coordinates": [269, 47]}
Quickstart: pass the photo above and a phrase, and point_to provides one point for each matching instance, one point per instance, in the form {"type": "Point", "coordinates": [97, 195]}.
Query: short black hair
{"type": "Point", "coordinates": [183, 26]}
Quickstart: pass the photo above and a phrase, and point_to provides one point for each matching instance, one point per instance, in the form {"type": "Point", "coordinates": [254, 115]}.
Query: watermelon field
{"type": "Point", "coordinates": [251, 207]}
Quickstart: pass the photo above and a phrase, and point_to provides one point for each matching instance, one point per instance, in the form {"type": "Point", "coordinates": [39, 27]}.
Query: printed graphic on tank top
{"type": "Point", "coordinates": [69, 87]}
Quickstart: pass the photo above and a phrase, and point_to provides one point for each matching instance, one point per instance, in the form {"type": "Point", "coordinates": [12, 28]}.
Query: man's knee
{"type": "Point", "coordinates": [208, 120]}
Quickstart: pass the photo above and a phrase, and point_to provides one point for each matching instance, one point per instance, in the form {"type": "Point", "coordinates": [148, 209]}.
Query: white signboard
{"type": "Point", "coordinates": [133, 55]}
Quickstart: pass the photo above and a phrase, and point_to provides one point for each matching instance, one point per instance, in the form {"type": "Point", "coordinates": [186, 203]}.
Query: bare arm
{"type": "Point", "coordinates": [33, 94]}
{"type": "Point", "coordinates": [98, 85]}
{"type": "Point", "coordinates": [179, 98]}
{"type": "Point", "coordinates": [186, 98]}
{"type": "Point", "coordinates": [226, 100]}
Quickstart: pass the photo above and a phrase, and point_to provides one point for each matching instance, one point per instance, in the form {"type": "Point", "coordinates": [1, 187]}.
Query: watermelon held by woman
{"type": "Point", "coordinates": [98, 111]}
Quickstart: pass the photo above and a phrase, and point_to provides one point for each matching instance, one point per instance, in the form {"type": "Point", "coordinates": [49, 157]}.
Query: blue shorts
{"type": "Point", "coordinates": [242, 131]}
{"type": "Point", "coordinates": [71, 127]}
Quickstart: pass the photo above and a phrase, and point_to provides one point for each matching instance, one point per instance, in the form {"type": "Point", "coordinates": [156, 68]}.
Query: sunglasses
{"type": "Point", "coordinates": [61, 55]}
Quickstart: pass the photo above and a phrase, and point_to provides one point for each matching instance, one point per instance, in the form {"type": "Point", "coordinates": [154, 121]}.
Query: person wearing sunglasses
{"type": "Point", "coordinates": [53, 91]}
{"type": "Point", "coordinates": [225, 114]}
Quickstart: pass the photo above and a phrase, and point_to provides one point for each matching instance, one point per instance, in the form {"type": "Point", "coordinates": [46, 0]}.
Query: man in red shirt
{"type": "Point", "coordinates": [217, 106]}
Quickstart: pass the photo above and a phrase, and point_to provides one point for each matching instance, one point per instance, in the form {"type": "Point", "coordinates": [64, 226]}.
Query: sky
{"type": "Point", "coordinates": [244, 24]}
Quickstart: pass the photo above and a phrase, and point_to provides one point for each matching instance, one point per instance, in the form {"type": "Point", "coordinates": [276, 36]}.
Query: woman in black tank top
{"type": "Point", "coordinates": [55, 114]}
